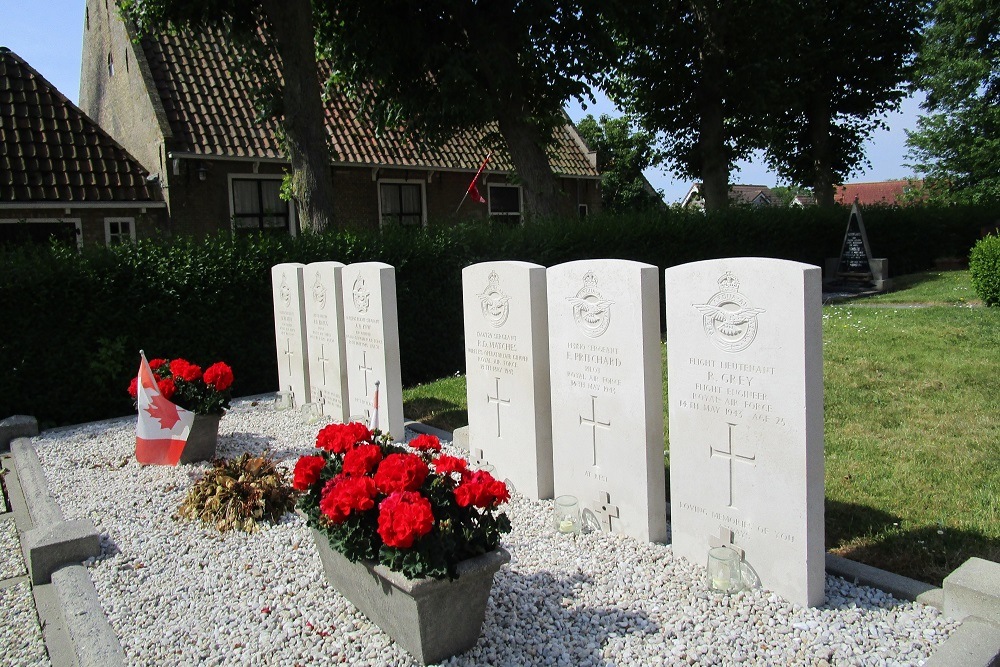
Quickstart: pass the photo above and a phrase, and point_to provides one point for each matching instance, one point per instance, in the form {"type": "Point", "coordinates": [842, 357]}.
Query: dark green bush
{"type": "Point", "coordinates": [984, 269]}
{"type": "Point", "coordinates": [73, 322]}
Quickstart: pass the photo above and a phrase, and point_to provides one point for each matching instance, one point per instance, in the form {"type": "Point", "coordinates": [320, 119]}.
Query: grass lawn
{"type": "Point", "coordinates": [912, 416]}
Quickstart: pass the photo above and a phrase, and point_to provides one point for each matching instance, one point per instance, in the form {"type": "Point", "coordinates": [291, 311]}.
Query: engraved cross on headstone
{"type": "Point", "coordinates": [594, 425]}
{"type": "Point", "coordinates": [725, 539]}
{"type": "Point", "coordinates": [728, 454]}
{"type": "Point", "coordinates": [289, 353]}
{"type": "Point", "coordinates": [499, 401]}
{"type": "Point", "coordinates": [322, 359]}
{"type": "Point", "coordinates": [365, 368]}
{"type": "Point", "coordinates": [604, 510]}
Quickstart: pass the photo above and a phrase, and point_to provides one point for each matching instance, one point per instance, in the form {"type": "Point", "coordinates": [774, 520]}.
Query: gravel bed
{"type": "Point", "coordinates": [180, 593]}
{"type": "Point", "coordinates": [12, 564]}
{"type": "Point", "coordinates": [21, 642]}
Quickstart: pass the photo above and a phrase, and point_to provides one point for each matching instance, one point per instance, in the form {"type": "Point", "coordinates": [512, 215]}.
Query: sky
{"type": "Point", "coordinates": [48, 34]}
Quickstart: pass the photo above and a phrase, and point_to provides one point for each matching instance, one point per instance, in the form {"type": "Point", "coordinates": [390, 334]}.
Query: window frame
{"type": "Point", "coordinates": [118, 220]}
{"type": "Point", "coordinates": [291, 227]}
{"type": "Point", "coordinates": [502, 214]}
{"type": "Point", "coordinates": [76, 222]}
{"type": "Point", "coordinates": [402, 181]}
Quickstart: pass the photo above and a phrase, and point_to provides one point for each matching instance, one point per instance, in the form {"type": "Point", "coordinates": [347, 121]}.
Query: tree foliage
{"type": "Point", "coordinates": [275, 38]}
{"type": "Point", "coordinates": [957, 145]}
{"type": "Point", "coordinates": [443, 67]}
{"type": "Point", "coordinates": [847, 63]}
{"type": "Point", "coordinates": [622, 155]}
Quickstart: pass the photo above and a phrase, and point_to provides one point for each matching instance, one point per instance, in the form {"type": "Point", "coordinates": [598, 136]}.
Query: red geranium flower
{"type": "Point", "coordinates": [400, 472]}
{"type": "Point", "coordinates": [219, 375]}
{"type": "Point", "coordinates": [342, 495]}
{"type": "Point", "coordinates": [481, 489]}
{"type": "Point", "coordinates": [362, 459]}
{"type": "Point", "coordinates": [307, 471]}
{"type": "Point", "coordinates": [426, 442]}
{"type": "Point", "coordinates": [166, 387]}
{"type": "Point", "coordinates": [133, 387]}
{"type": "Point", "coordinates": [185, 370]}
{"type": "Point", "coordinates": [156, 363]}
{"type": "Point", "coordinates": [404, 517]}
{"type": "Point", "coordinates": [445, 464]}
{"type": "Point", "coordinates": [339, 438]}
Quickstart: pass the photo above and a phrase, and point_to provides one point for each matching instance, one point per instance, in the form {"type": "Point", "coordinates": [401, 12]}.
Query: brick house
{"type": "Point", "coordinates": [879, 193]}
{"type": "Point", "coordinates": [185, 108]}
{"type": "Point", "coordinates": [739, 195]}
{"type": "Point", "coordinates": [61, 175]}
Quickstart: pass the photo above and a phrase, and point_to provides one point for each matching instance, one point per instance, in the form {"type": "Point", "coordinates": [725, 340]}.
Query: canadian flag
{"type": "Point", "coordinates": [163, 427]}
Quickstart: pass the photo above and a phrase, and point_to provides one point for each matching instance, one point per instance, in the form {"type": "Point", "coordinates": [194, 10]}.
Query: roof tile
{"type": "Point", "coordinates": [208, 100]}
{"type": "Point", "coordinates": [39, 124]}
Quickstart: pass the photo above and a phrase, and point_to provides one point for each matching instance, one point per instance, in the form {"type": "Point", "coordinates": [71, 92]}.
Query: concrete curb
{"type": "Point", "coordinates": [93, 638]}
{"type": "Point", "coordinates": [901, 587]}
{"type": "Point", "coordinates": [16, 426]}
{"type": "Point", "coordinates": [52, 542]}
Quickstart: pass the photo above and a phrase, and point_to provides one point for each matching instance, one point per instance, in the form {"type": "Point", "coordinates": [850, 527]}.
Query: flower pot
{"type": "Point", "coordinates": [432, 619]}
{"type": "Point", "coordinates": [202, 440]}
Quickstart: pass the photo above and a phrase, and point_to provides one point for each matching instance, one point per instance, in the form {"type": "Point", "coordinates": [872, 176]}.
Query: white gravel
{"type": "Point", "coordinates": [178, 593]}
{"type": "Point", "coordinates": [10, 546]}
{"type": "Point", "coordinates": [21, 642]}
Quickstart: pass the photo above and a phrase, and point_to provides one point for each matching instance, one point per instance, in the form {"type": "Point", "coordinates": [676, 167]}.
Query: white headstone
{"type": "Point", "coordinates": [290, 330]}
{"type": "Point", "coordinates": [507, 372]}
{"type": "Point", "coordinates": [325, 335]}
{"type": "Point", "coordinates": [371, 334]}
{"type": "Point", "coordinates": [745, 385]}
{"type": "Point", "coordinates": [607, 393]}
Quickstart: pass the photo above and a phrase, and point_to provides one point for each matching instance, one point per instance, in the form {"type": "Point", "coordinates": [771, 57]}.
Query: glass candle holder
{"type": "Point", "coordinates": [311, 412]}
{"type": "Point", "coordinates": [725, 573]}
{"type": "Point", "coordinates": [566, 515]}
{"type": "Point", "coordinates": [283, 400]}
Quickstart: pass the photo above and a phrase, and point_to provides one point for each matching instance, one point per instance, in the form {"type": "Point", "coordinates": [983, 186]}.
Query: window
{"type": "Point", "coordinates": [119, 230]}
{"type": "Point", "coordinates": [401, 203]}
{"type": "Point", "coordinates": [505, 203]}
{"type": "Point", "coordinates": [42, 231]}
{"type": "Point", "coordinates": [584, 211]}
{"type": "Point", "coordinates": [257, 206]}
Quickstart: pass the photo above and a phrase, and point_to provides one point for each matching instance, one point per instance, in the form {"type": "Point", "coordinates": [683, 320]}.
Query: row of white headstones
{"type": "Point", "coordinates": [565, 392]}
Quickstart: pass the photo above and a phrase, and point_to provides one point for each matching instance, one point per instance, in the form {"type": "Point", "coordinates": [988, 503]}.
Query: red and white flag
{"type": "Point", "coordinates": [163, 427]}
{"type": "Point", "coordinates": [472, 192]}
{"type": "Point", "coordinates": [374, 420]}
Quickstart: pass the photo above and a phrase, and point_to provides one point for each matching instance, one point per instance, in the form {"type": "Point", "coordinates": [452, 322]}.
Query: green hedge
{"type": "Point", "coordinates": [984, 269]}
{"type": "Point", "coordinates": [73, 322]}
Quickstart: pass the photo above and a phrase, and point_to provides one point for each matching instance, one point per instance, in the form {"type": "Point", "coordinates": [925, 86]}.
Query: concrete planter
{"type": "Point", "coordinates": [202, 440]}
{"type": "Point", "coordinates": [431, 619]}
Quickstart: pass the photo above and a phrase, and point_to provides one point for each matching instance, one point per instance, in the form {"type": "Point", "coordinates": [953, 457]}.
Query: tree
{"type": "Point", "coordinates": [957, 146]}
{"type": "Point", "coordinates": [443, 67]}
{"type": "Point", "coordinates": [697, 73]}
{"type": "Point", "coordinates": [622, 155]}
{"type": "Point", "coordinates": [849, 64]}
{"type": "Point", "coordinates": [269, 32]}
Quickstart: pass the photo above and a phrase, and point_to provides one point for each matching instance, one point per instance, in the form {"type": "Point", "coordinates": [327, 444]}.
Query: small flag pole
{"type": "Point", "coordinates": [474, 179]}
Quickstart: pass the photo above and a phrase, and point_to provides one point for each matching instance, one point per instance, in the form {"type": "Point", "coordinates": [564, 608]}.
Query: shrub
{"type": "Point", "coordinates": [239, 493]}
{"type": "Point", "coordinates": [984, 268]}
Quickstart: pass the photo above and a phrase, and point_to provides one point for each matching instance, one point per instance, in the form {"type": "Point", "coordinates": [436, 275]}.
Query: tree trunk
{"type": "Point", "coordinates": [527, 151]}
{"type": "Point", "coordinates": [818, 118]}
{"type": "Point", "coordinates": [304, 121]}
{"type": "Point", "coordinates": [712, 140]}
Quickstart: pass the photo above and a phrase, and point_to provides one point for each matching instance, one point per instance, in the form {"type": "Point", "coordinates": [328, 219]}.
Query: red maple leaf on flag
{"type": "Point", "coordinates": [163, 410]}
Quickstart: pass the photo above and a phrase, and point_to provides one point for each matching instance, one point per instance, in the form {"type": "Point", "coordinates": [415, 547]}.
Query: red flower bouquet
{"type": "Point", "coordinates": [184, 383]}
{"type": "Point", "coordinates": [411, 508]}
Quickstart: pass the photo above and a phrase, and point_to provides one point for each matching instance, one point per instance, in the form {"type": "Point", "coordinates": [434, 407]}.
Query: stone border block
{"type": "Point", "coordinates": [16, 426]}
{"type": "Point", "coordinates": [975, 642]}
{"type": "Point", "coordinates": [973, 590]}
{"type": "Point", "coordinates": [899, 586]}
{"type": "Point", "coordinates": [93, 638]}
{"type": "Point", "coordinates": [460, 438]}
{"type": "Point", "coordinates": [55, 545]}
